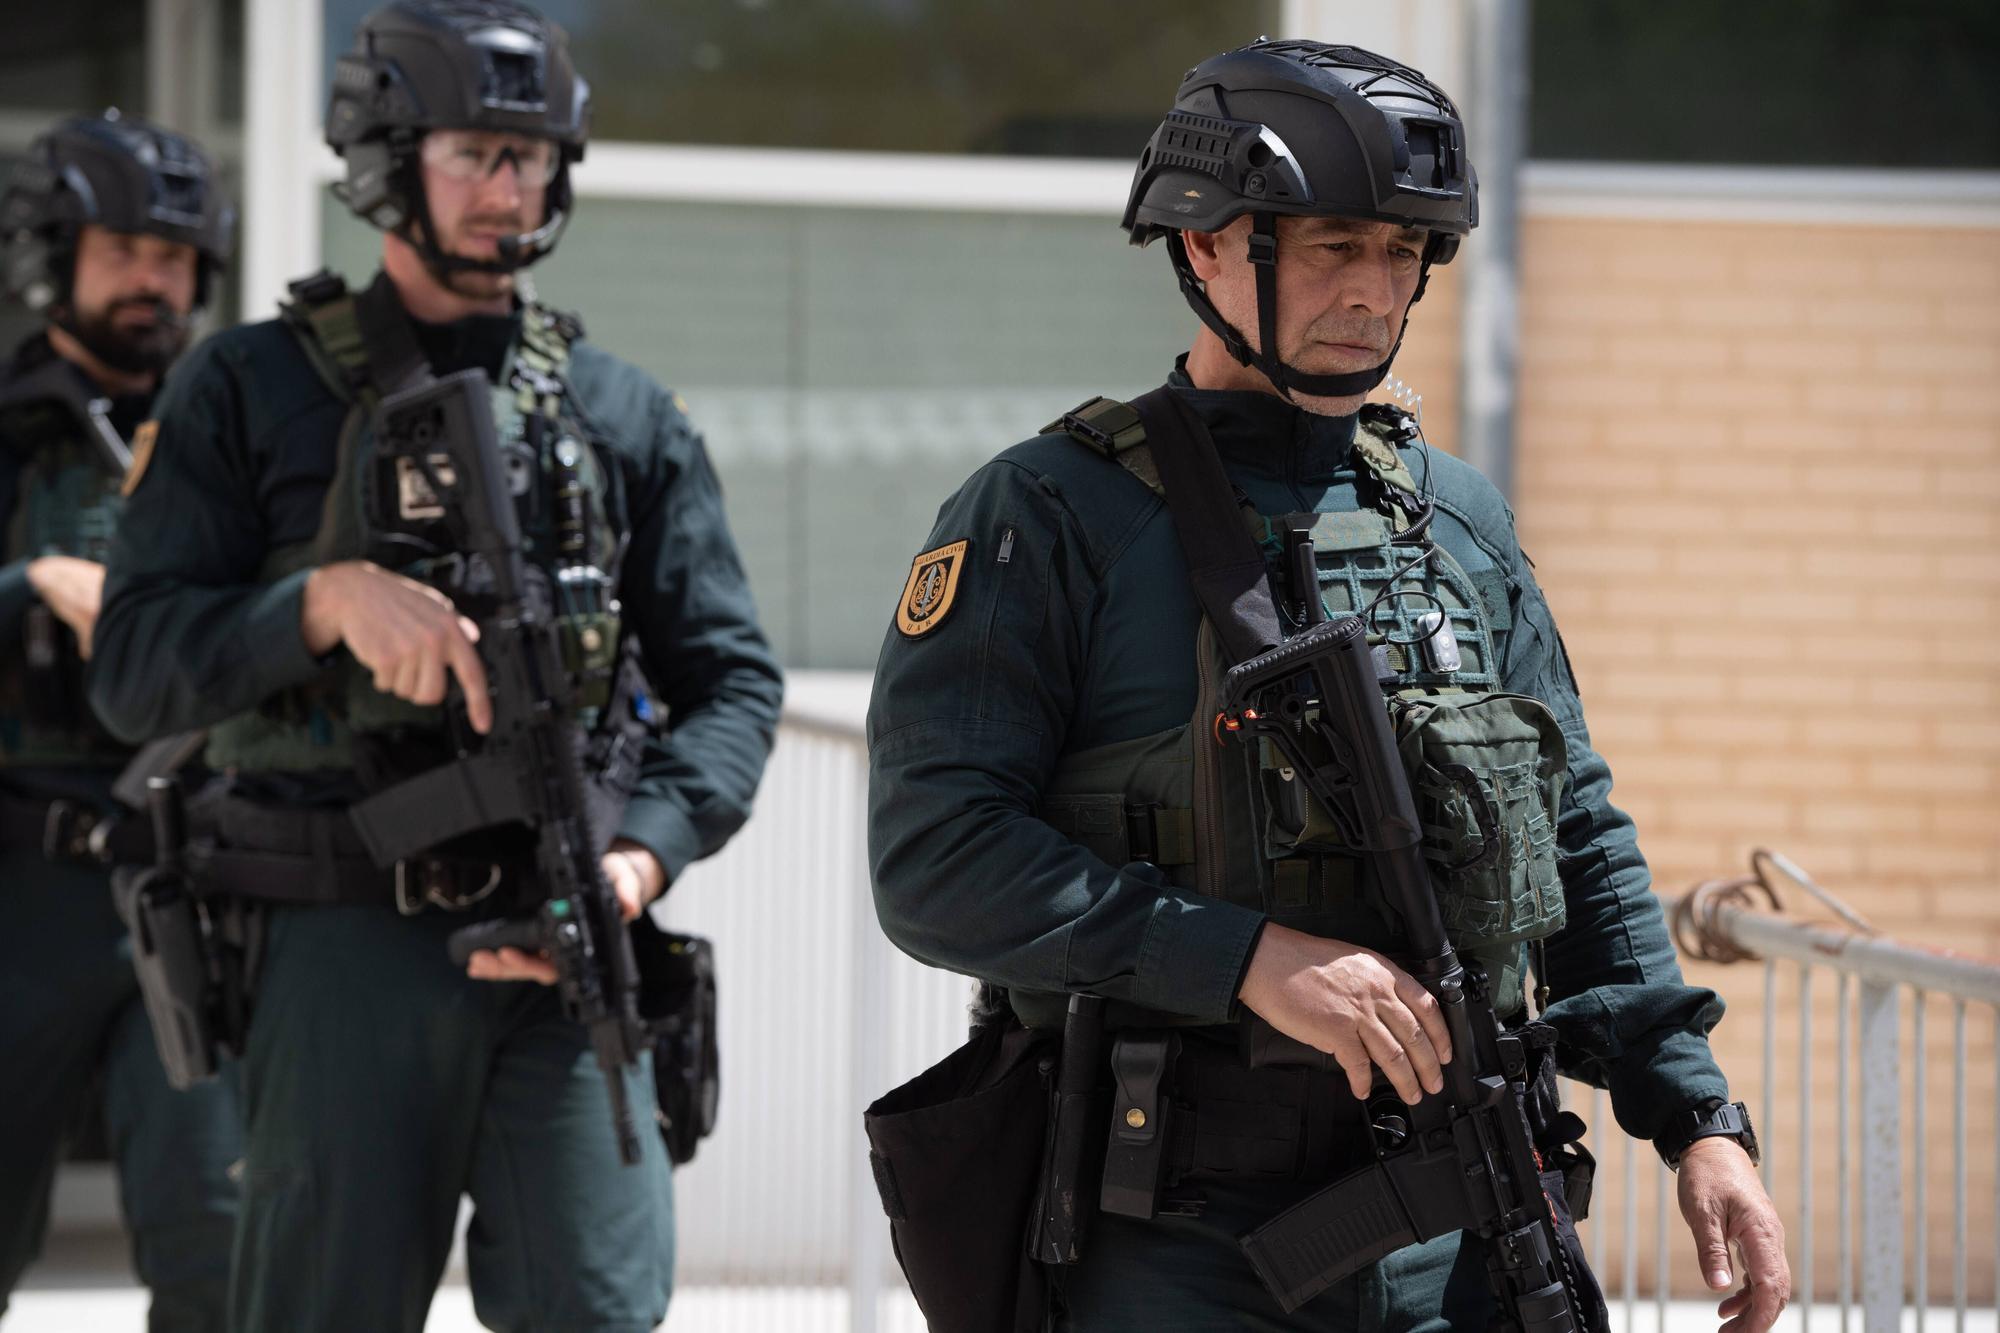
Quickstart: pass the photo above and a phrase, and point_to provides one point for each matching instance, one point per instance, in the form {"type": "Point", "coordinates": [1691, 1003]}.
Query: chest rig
{"type": "Point", "coordinates": [1226, 816]}
{"type": "Point", "coordinates": [72, 462]}
{"type": "Point", "coordinates": [566, 494]}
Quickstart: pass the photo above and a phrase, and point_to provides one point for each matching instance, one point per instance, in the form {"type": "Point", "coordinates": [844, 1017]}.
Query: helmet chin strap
{"type": "Point", "coordinates": [1288, 380]}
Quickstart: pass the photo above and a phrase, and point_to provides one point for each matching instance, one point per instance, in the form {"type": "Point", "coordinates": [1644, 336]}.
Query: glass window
{"type": "Point", "coordinates": [69, 57]}
{"type": "Point", "coordinates": [1838, 83]}
{"type": "Point", "coordinates": [850, 367]}
{"type": "Point", "coordinates": [1031, 77]}
{"type": "Point", "coordinates": [57, 61]}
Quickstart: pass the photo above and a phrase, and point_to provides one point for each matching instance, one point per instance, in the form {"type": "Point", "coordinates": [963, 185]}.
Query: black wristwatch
{"type": "Point", "coordinates": [1710, 1120]}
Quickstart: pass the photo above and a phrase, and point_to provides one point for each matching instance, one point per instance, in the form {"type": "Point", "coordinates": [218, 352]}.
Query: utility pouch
{"type": "Point", "coordinates": [1142, 1063]}
{"type": "Point", "coordinates": [1558, 1134]}
{"type": "Point", "coordinates": [1568, 1170]}
{"type": "Point", "coordinates": [1487, 772]}
{"type": "Point", "coordinates": [677, 999]}
{"type": "Point", "coordinates": [1066, 1200]}
{"type": "Point", "coordinates": [955, 1153]}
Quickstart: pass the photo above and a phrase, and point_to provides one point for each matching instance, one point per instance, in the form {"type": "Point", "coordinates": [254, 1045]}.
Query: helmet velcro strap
{"type": "Point", "coordinates": [1264, 259]}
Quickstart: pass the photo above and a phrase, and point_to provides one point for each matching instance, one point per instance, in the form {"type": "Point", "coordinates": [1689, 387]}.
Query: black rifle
{"type": "Point", "coordinates": [444, 432]}
{"type": "Point", "coordinates": [1460, 1160]}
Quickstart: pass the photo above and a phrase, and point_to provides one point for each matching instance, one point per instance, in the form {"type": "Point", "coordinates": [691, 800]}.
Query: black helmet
{"type": "Point", "coordinates": [117, 172]}
{"type": "Point", "coordinates": [1311, 130]}
{"type": "Point", "coordinates": [422, 65]}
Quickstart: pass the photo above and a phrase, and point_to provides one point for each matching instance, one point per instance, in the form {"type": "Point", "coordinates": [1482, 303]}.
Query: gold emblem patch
{"type": "Point", "coordinates": [933, 587]}
{"type": "Point", "coordinates": [143, 440]}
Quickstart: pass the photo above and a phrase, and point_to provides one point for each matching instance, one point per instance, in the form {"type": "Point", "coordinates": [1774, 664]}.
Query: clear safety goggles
{"type": "Point", "coordinates": [474, 155]}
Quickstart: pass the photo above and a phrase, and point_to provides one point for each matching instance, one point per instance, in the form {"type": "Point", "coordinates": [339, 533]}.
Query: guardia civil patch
{"type": "Point", "coordinates": [143, 440]}
{"type": "Point", "coordinates": [933, 587]}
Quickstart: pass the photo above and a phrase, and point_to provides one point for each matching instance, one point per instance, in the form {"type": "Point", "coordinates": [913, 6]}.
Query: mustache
{"type": "Point", "coordinates": [157, 306]}
{"type": "Point", "coordinates": [1370, 333]}
{"type": "Point", "coordinates": [499, 221]}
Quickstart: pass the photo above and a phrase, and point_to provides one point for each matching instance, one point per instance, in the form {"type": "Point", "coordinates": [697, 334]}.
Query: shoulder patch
{"type": "Point", "coordinates": [931, 590]}
{"type": "Point", "coordinates": [143, 440]}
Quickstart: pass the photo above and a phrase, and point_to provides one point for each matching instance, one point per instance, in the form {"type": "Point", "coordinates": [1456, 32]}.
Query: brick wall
{"type": "Point", "coordinates": [1759, 471]}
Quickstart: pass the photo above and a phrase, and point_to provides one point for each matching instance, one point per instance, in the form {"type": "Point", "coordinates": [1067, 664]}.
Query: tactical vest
{"type": "Point", "coordinates": [567, 497]}
{"type": "Point", "coordinates": [1226, 817]}
{"type": "Point", "coordinates": [67, 504]}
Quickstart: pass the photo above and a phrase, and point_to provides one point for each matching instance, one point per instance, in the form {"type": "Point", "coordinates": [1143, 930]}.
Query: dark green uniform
{"type": "Point", "coordinates": [1070, 629]}
{"type": "Point", "coordinates": [71, 1021]}
{"type": "Point", "coordinates": [381, 1083]}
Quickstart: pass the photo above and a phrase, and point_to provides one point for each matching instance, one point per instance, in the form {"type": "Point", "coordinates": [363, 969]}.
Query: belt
{"type": "Point", "coordinates": [1274, 1122]}
{"type": "Point", "coordinates": [316, 857]}
{"type": "Point", "coordinates": [81, 832]}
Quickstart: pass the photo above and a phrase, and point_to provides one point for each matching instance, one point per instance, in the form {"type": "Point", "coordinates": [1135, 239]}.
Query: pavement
{"type": "Point", "coordinates": [84, 1285]}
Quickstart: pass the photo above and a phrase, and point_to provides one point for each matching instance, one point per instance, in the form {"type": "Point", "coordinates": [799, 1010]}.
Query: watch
{"type": "Point", "coordinates": [1712, 1119]}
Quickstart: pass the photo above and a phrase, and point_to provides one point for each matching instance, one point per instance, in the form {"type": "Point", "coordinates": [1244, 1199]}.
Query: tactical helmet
{"type": "Point", "coordinates": [422, 65]}
{"type": "Point", "coordinates": [1311, 130]}
{"type": "Point", "coordinates": [117, 172]}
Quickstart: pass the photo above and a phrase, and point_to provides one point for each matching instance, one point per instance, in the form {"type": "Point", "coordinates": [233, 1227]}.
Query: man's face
{"type": "Point", "coordinates": [481, 186]}
{"type": "Point", "coordinates": [1344, 287]}
{"type": "Point", "coordinates": [131, 297]}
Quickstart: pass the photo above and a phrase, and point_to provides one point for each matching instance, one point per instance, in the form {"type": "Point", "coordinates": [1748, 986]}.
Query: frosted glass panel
{"type": "Point", "coordinates": [850, 367]}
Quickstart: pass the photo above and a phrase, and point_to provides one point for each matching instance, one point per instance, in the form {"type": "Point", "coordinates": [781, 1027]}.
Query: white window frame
{"type": "Point", "coordinates": [287, 167]}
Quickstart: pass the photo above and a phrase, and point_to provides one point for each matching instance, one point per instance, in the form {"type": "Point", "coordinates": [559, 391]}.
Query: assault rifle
{"type": "Point", "coordinates": [1463, 1159]}
{"type": "Point", "coordinates": [440, 439]}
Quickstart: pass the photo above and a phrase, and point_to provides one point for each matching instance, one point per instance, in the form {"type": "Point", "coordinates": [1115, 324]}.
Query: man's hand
{"type": "Point", "coordinates": [73, 589]}
{"type": "Point", "coordinates": [636, 876]}
{"type": "Point", "coordinates": [1352, 1003]}
{"type": "Point", "coordinates": [1725, 1204]}
{"type": "Point", "coordinates": [408, 633]}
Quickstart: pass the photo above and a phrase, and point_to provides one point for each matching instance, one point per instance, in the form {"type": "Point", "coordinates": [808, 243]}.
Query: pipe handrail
{"type": "Point", "coordinates": [826, 724]}
{"type": "Point", "coordinates": [1749, 933]}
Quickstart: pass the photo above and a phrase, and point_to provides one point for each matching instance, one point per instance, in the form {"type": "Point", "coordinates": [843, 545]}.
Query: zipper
{"type": "Point", "coordinates": [1208, 845]}
{"type": "Point", "coordinates": [1006, 547]}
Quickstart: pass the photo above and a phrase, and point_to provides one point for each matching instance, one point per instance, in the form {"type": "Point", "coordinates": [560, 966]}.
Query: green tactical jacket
{"type": "Point", "coordinates": [245, 452]}
{"type": "Point", "coordinates": [1068, 623]}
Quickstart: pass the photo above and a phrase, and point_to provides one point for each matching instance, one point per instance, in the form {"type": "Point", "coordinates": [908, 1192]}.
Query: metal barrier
{"type": "Point", "coordinates": [778, 1223]}
{"type": "Point", "coordinates": [1720, 922]}
{"type": "Point", "coordinates": [779, 1227]}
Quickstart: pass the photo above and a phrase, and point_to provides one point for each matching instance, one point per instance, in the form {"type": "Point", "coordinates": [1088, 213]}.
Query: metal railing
{"type": "Point", "coordinates": [1721, 922]}
{"type": "Point", "coordinates": [778, 1223]}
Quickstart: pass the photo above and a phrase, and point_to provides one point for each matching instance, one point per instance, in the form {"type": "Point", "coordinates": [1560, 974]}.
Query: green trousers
{"type": "Point", "coordinates": [70, 1017]}
{"type": "Point", "coordinates": [1187, 1275]}
{"type": "Point", "coordinates": [381, 1085]}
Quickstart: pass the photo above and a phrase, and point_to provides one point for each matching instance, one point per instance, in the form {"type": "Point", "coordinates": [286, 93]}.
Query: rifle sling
{"type": "Point", "coordinates": [395, 361]}
{"type": "Point", "coordinates": [439, 804]}
{"type": "Point", "coordinates": [1224, 565]}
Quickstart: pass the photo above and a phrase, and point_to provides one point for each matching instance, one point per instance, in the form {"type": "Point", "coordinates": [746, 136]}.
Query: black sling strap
{"type": "Point", "coordinates": [395, 361]}
{"type": "Point", "coordinates": [1227, 570]}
